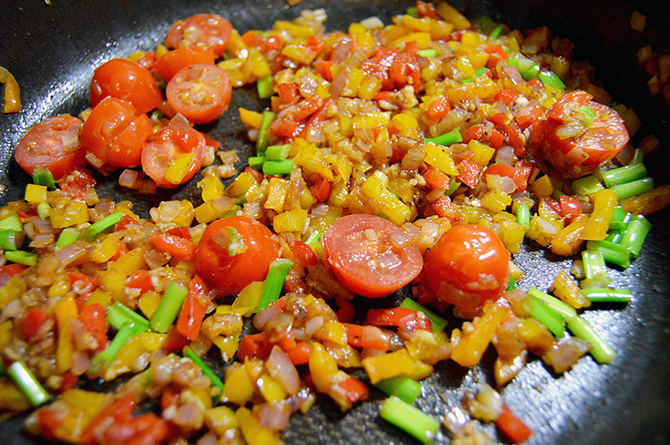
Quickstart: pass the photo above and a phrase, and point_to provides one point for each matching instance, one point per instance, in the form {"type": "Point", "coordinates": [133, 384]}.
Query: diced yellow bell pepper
{"type": "Point", "coordinates": [99, 296]}
{"type": "Point", "coordinates": [496, 200]}
{"type": "Point", "coordinates": [220, 419]}
{"type": "Point", "coordinates": [36, 194]}
{"type": "Point", "coordinates": [66, 312]}
{"type": "Point", "coordinates": [241, 184]}
{"type": "Point", "coordinates": [439, 159]}
{"type": "Point", "coordinates": [369, 87]}
{"type": "Point", "coordinates": [105, 250]}
{"type": "Point", "coordinates": [276, 194]}
{"type": "Point", "coordinates": [394, 209]}
{"type": "Point", "coordinates": [214, 209]}
{"type": "Point", "coordinates": [568, 241]}
{"type": "Point", "coordinates": [253, 432]}
{"type": "Point", "coordinates": [543, 231]}
{"type": "Point", "coordinates": [388, 365]}
{"type": "Point", "coordinates": [291, 221]}
{"type": "Point", "coordinates": [334, 331]}
{"type": "Point", "coordinates": [370, 121]}
{"type": "Point", "coordinates": [543, 186]}
{"type": "Point", "coordinates": [212, 188]}
{"type": "Point", "coordinates": [472, 345]}
{"type": "Point", "coordinates": [149, 302]}
{"type": "Point", "coordinates": [238, 388]}
{"type": "Point", "coordinates": [227, 345]}
{"type": "Point", "coordinates": [567, 289]}
{"type": "Point", "coordinates": [422, 39]}
{"type": "Point", "coordinates": [270, 389]}
{"type": "Point", "coordinates": [598, 224]}
{"type": "Point", "coordinates": [131, 261]}
{"type": "Point", "coordinates": [72, 214]}
{"type": "Point", "coordinates": [248, 298]}
{"type": "Point", "coordinates": [152, 341]}
{"type": "Point", "coordinates": [251, 118]}
{"type": "Point", "coordinates": [113, 281]}
{"type": "Point", "coordinates": [322, 368]}
{"type": "Point", "coordinates": [439, 29]}
{"type": "Point", "coordinates": [178, 169]}
{"type": "Point", "coordinates": [81, 407]}
{"type": "Point", "coordinates": [60, 287]}
{"type": "Point", "coordinates": [483, 153]}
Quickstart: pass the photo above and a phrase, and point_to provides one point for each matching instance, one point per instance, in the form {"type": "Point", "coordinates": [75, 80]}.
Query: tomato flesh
{"type": "Point", "coordinates": [585, 148]}
{"type": "Point", "coordinates": [201, 29]}
{"type": "Point", "coordinates": [467, 267]}
{"type": "Point", "coordinates": [126, 80]}
{"type": "Point", "coordinates": [52, 144]}
{"type": "Point", "coordinates": [174, 61]}
{"type": "Point", "coordinates": [200, 92]}
{"type": "Point", "coordinates": [363, 258]}
{"type": "Point", "coordinates": [229, 273]}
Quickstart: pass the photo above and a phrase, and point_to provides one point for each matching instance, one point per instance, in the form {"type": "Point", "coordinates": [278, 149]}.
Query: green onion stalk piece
{"type": "Point", "coordinates": [11, 239]}
{"type": "Point", "coordinates": [256, 162]}
{"type": "Point", "coordinates": [550, 79]}
{"type": "Point", "coordinates": [43, 210]}
{"type": "Point", "coordinates": [42, 176]}
{"type": "Point", "coordinates": [484, 23]}
{"type": "Point", "coordinates": [67, 237]}
{"type": "Point", "coordinates": [104, 359]}
{"type": "Point", "coordinates": [453, 186]}
{"type": "Point", "coordinates": [623, 175]}
{"type": "Point", "coordinates": [603, 295]}
{"type": "Point", "coordinates": [620, 218]}
{"type": "Point", "coordinates": [481, 71]}
{"type": "Point", "coordinates": [446, 139]}
{"type": "Point", "coordinates": [22, 257]}
{"type": "Point", "coordinates": [527, 68]}
{"type": "Point", "coordinates": [585, 115]}
{"type": "Point", "coordinates": [586, 185]}
{"type": "Point", "coordinates": [496, 32]}
{"type": "Point", "coordinates": [264, 87]}
{"type": "Point", "coordinates": [413, 12]}
{"type": "Point", "coordinates": [523, 216]}
{"type": "Point", "coordinates": [119, 314]}
{"type": "Point", "coordinates": [278, 168]}
{"type": "Point", "coordinates": [511, 284]}
{"type": "Point", "coordinates": [594, 263]}
{"type": "Point", "coordinates": [262, 142]}
{"type": "Point", "coordinates": [600, 350]}
{"type": "Point", "coordinates": [404, 388]}
{"type": "Point", "coordinates": [565, 310]}
{"type": "Point", "coordinates": [216, 381]}
{"type": "Point", "coordinates": [635, 234]}
{"type": "Point", "coordinates": [167, 310]}
{"type": "Point", "coordinates": [613, 253]}
{"type": "Point", "coordinates": [314, 238]}
{"type": "Point", "coordinates": [277, 152]}
{"type": "Point", "coordinates": [545, 314]}
{"type": "Point", "coordinates": [230, 240]}
{"type": "Point", "coordinates": [274, 282]}
{"type": "Point", "coordinates": [409, 419]}
{"type": "Point", "coordinates": [25, 380]}
{"type": "Point", "coordinates": [614, 236]}
{"type": "Point", "coordinates": [427, 53]}
{"type": "Point", "coordinates": [438, 322]}
{"type": "Point", "coordinates": [103, 225]}
{"type": "Point", "coordinates": [633, 188]}
{"type": "Point", "coordinates": [638, 157]}
{"type": "Point", "coordinates": [11, 222]}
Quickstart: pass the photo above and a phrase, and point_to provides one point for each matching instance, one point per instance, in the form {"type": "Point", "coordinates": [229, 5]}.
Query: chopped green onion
{"type": "Point", "coordinates": [413, 12]}
{"type": "Point", "coordinates": [262, 142]}
{"type": "Point", "coordinates": [496, 32]}
{"type": "Point", "coordinates": [635, 234]}
{"type": "Point", "coordinates": [156, 115]}
{"type": "Point", "coordinates": [539, 310]}
{"type": "Point", "coordinates": [22, 257]}
{"type": "Point", "coordinates": [256, 162]}
{"type": "Point", "coordinates": [314, 238]}
{"type": "Point", "coordinates": [11, 222]}
{"type": "Point", "coordinates": [278, 168]}
{"type": "Point", "coordinates": [216, 381]}
{"type": "Point", "coordinates": [466, 80]}
{"type": "Point", "coordinates": [42, 176]}
{"type": "Point", "coordinates": [404, 388]}
{"type": "Point", "coordinates": [274, 282]}
{"type": "Point", "coordinates": [623, 175]}
{"type": "Point", "coordinates": [633, 188]}
{"type": "Point", "coordinates": [101, 226]}
{"type": "Point", "coordinates": [484, 23]}
{"type": "Point", "coordinates": [600, 350]}
{"type": "Point", "coordinates": [446, 139]}
{"type": "Point", "coordinates": [67, 237]}
{"type": "Point", "coordinates": [613, 253]}
{"type": "Point", "coordinates": [119, 314]}
{"type": "Point", "coordinates": [556, 194]}
{"type": "Point", "coordinates": [620, 218]}
{"type": "Point", "coordinates": [277, 152]}
{"type": "Point", "coordinates": [527, 68]}
{"type": "Point", "coordinates": [638, 157]}
{"type": "Point", "coordinates": [453, 186]}
{"type": "Point", "coordinates": [43, 210]}
{"type": "Point", "coordinates": [594, 263]}
{"type": "Point", "coordinates": [550, 79]}
{"type": "Point", "coordinates": [264, 87]}
{"type": "Point", "coordinates": [11, 239]}
{"type": "Point", "coordinates": [167, 310]}
{"type": "Point", "coordinates": [602, 295]}
{"type": "Point", "coordinates": [104, 359]}
{"type": "Point", "coordinates": [409, 419]}
{"type": "Point", "coordinates": [523, 216]}
{"type": "Point", "coordinates": [427, 53]}
{"type": "Point", "coordinates": [438, 322]}
{"type": "Point", "coordinates": [586, 185]}
{"type": "Point", "coordinates": [511, 284]}
{"type": "Point", "coordinates": [614, 236]}
{"type": "Point", "coordinates": [585, 115]}
{"type": "Point", "coordinates": [28, 384]}
{"type": "Point", "coordinates": [565, 310]}
{"type": "Point", "coordinates": [481, 71]}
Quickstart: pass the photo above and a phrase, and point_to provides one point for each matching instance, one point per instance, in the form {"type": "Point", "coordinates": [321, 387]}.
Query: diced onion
{"type": "Point", "coordinates": [281, 368]}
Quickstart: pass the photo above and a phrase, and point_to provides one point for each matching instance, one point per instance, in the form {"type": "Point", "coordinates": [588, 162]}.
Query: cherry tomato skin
{"type": "Point", "coordinates": [228, 273]}
{"type": "Point", "coordinates": [126, 80]}
{"type": "Point", "coordinates": [578, 156]}
{"type": "Point", "coordinates": [172, 62]}
{"type": "Point", "coordinates": [468, 266]}
{"type": "Point", "coordinates": [163, 148]}
{"type": "Point", "coordinates": [201, 29]}
{"type": "Point", "coordinates": [355, 256]}
{"type": "Point", "coordinates": [200, 92]}
{"type": "Point", "coordinates": [126, 149]}
{"type": "Point", "coordinates": [107, 120]}
{"type": "Point", "coordinates": [52, 144]}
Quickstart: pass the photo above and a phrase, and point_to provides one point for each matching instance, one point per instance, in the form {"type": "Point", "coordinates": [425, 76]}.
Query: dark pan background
{"type": "Point", "coordinates": [52, 48]}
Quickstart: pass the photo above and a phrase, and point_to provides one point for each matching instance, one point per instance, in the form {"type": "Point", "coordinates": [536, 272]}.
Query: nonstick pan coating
{"type": "Point", "coordinates": [52, 48]}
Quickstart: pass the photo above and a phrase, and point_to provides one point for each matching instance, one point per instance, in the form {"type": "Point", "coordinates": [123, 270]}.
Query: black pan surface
{"type": "Point", "coordinates": [53, 46]}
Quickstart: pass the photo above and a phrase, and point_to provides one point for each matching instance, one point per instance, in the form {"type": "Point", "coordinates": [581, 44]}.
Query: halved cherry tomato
{"type": "Point", "coordinates": [165, 146]}
{"type": "Point", "coordinates": [52, 144]}
{"type": "Point", "coordinates": [127, 80]}
{"type": "Point", "coordinates": [581, 153]}
{"type": "Point", "coordinates": [172, 62]}
{"type": "Point", "coordinates": [256, 249]}
{"type": "Point", "coordinates": [109, 120]}
{"type": "Point", "coordinates": [364, 259]}
{"type": "Point", "coordinates": [468, 266]}
{"type": "Point", "coordinates": [201, 29]}
{"type": "Point", "coordinates": [200, 92]}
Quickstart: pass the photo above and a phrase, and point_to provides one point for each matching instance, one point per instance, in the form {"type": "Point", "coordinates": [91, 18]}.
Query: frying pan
{"type": "Point", "coordinates": [53, 46]}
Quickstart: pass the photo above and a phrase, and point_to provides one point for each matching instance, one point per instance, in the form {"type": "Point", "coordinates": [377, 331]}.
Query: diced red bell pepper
{"type": "Point", "coordinates": [300, 354]}
{"type": "Point", "coordinates": [178, 247]}
{"type": "Point", "coordinates": [468, 172]}
{"type": "Point", "coordinates": [513, 427]}
{"type": "Point", "coordinates": [506, 95]}
{"type": "Point", "coordinates": [522, 170]}
{"type": "Point", "coordinates": [355, 389]}
{"type": "Point", "coordinates": [86, 280]}
{"type": "Point", "coordinates": [13, 269]}
{"type": "Point", "coordinates": [306, 107]}
{"type": "Point", "coordinates": [401, 317]}
{"type": "Point", "coordinates": [33, 322]}
{"type": "Point", "coordinates": [476, 132]}
{"type": "Point", "coordinates": [425, 9]}
{"type": "Point", "coordinates": [321, 190]}
{"type": "Point", "coordinates": [496, 139]}
{"type": "Point", "coordinates": [570, 207]}
{"type": "Point", "coordinates": [254, 346]}
{"type": "Point", "coordinates": [126, 221]}
{"type": "Point", "coordinates": [175, 341]}
{"type": "Point", "coordinates": [324, 69]}
{"type": "Point", "coordinates": [346, 311]}
{"type": "Point", "coordinates": [370, 337]}
{"type": "Point", "coordinates": [94, 319]}
{"type": "Point", "coordinates": [436, 179]}
{"type": "Point", "coordinates": [438, 108]}
{"type": "Point", "coordinates": [194, 309]}
{"type": "Point", "coordinates": [288, 92]}
{"type": "Point", "coordinates": [444, 208]}
{"type": "Point", "coordinates": [515, 138]}
{"type": "Point", "coordinates": [140, 280]}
